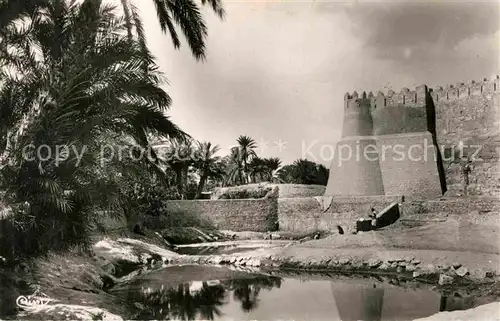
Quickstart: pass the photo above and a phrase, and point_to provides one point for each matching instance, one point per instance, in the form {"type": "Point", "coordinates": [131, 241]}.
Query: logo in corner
{"type": "Point", "coordinates": [37, 299]}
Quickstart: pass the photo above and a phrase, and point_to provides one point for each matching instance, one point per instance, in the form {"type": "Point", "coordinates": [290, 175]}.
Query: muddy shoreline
{"type": "Point", "coordinates": [75, 278]}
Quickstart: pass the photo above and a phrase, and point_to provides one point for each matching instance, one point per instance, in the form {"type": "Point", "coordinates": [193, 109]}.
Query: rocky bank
{"type": "Point", "coordinates": [77, 283]}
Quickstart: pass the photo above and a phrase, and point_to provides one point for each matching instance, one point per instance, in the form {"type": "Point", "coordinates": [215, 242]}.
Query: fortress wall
{"type": "Point", "coordinates": [470, 114]}
{"type": "Point", "coordinates": [259, 215]}
{"type": "Point", "coordinates": [399, 119]}
{"type": "Point", "coordinates": [478, 210]}
{"type": "Point", "coordinates": [355, 169]}
{"type": "Point", "coordinates": [305, 214]}
{"type": "Point", "coordinates": [404, 112]}
{"type": "Point", "coordinates": [465, 119]}
{"type": "Point", "coordinates": [409, 167]}
{"type": "Point", "coordinates": [357, 116]}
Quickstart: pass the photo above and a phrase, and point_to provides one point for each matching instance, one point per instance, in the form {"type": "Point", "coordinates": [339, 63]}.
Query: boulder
{"type": "Point", "coordinates": [461, 271]}
{"type": "Point", "coordinates": [428, 269]}
{"type": "Point", "coordinates": [373, 263]}
{"type": "Point", "coordinates": [344, 261]}
{"type": "Point", "coordinates": [411, 267]}
{"type": "Point", "coordinates": [478, 274]}
{"type": "Point", "coordinates": [445, 279]}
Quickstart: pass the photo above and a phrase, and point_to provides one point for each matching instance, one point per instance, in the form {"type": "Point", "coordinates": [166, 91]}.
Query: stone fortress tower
{"type": "Point", "coordinates": [414, 143]}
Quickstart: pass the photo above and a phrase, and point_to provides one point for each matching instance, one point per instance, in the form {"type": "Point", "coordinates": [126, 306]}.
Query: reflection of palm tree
{"type": "Point", "coordinates": [246, 294]}
{"type": "Point", "coordinates": [179, 303]}
{"type": "Point", "coordinates": [247, 290]}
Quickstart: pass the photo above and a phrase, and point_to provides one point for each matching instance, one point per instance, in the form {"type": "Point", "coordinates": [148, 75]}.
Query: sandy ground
{"type": "Point", "coordinates": [474, 246]}
{"type": "Point", "coordinates": [487, 312]}
{"type": "Point", "coordinates": [447, 236]}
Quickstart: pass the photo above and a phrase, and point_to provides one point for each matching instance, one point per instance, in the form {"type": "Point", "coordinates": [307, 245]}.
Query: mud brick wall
{"type": "Point", "coordinates": [455, 206]}
{"type": "Point", "coordinates": [351, 173]}
{"type": "Point", "coordinates": [306, 214]}
{"type": "Point", "coordinates": [468, 121]}
{"type": "Point", "coordinates": [259, 215]}
{"type": "Point", "coordinates": [399, 119]}
{"type": "Point", "coordinates": [409, 165]}
{"type": "Point", "coordinates": [479, 210]}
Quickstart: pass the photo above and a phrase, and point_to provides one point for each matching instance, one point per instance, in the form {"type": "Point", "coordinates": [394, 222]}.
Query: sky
{"type": "Point", "coordinates": [277, 71]}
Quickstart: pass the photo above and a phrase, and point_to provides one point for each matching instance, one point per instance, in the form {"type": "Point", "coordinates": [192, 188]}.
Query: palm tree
{"type": "Point", "coordinates": [180, 158]}
{"type": "Point", "coordinates": [303, 171]}
{"type": "Point", "coordinates": [257, 169]}
{"type": "Point", "coordinates": [185, 14]}
{"type": "Point", "coordinates": [71, 77]}
{"type": "Point", "coordinates": [322, 174]}
{"type": "Point", "coordinates": [207, 164]}
{"type": "Point", "coordinates": [286, 174]}
{"type": "Point", "coordinates": [272, 166]}
{"type": "Point", "coordinates": [233, 169]}
{"type": "Point", "coordinates": [243, 154]}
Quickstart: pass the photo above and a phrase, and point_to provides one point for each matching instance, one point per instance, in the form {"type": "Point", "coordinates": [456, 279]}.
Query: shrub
{"type": "Point", "coordinates": [245, 193]}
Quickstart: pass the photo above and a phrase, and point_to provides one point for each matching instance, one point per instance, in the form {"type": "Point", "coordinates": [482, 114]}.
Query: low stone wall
{"type": "Point", "coordinates": [259, 215]}
{"type": "Point", "coordinates": [483, 210]}
{"type": "Point", "coordinates": [306, 214]}
{"type": "Point", "coordinates": [452, 206]}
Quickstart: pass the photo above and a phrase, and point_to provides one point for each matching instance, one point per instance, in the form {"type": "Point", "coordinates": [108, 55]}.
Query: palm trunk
{"type": "Point", "coordinates": [178, 179]}
{"type": "Point", "coordinates": [245, 171]}
{"type": "Point", "coordinates": [201, 185]}
{"type": "Point", "coordinates": [128, 19]}
{"type": "Point", "coordinates": [184, 180]}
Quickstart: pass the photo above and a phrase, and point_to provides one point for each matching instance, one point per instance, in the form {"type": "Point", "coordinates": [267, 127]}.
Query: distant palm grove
{"type": "Point", "coordinates": [194, 167]}
{"type": "Point", "coordinates": [80, 74]}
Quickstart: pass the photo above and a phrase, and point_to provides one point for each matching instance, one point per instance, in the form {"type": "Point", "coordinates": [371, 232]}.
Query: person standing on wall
{"type": "Point", "coordinates": [466, 171]}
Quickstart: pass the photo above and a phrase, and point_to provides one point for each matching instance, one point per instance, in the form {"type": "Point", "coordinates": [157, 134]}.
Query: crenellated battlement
{"type": "Point", "coordinates": [406, 97]}
{"type": "Point", "coordinates": [459, 114]}
{"type": "Point", "coordinates": [462, 90]}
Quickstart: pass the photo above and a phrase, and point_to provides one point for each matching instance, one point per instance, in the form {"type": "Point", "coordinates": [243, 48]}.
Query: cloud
{"type": "Point", "coordinates": [280, 70]}
{"type": "Point", "coordinates": [389, 29]}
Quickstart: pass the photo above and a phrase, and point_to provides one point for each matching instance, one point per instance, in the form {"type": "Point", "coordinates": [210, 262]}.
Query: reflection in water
{"type": "Point", "coordinates": [455, 302]}
{"type": "Point", "coordinates": [181, 302]}
{"type": "Point", "coordinates": [374, 300]}
{"type": "Point", "coordinates": [247, 290]}
{"type": "Point", "coordinates": [197, 300]}
{"type": "Point", "coordinates": [265, 297]}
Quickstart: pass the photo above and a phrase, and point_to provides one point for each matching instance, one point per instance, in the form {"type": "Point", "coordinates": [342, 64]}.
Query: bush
{"type": "Point", "coordinates": [244, 192]}
{"type": "Point", "coordinates": [23, 235]}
